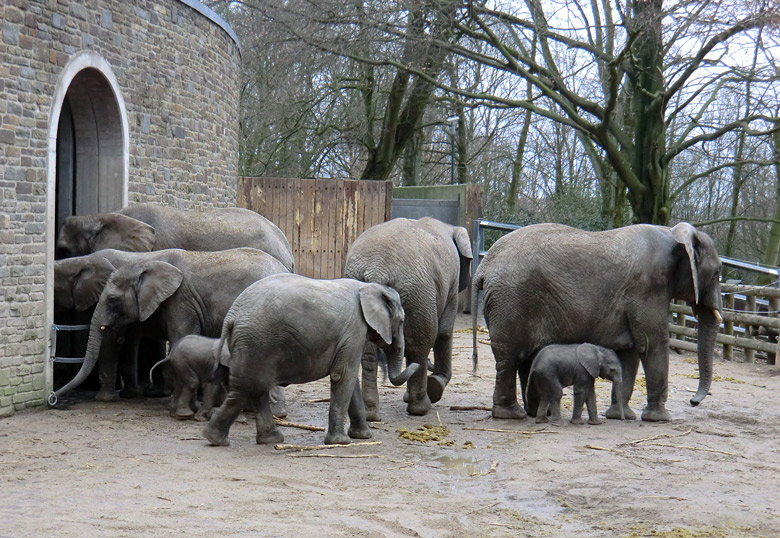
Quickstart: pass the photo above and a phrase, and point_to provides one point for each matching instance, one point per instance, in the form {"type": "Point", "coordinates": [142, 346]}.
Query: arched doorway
{"type": "Point", "coordinates": [88, 158]}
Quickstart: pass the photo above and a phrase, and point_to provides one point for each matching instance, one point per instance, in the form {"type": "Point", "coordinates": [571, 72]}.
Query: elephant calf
{"type": "Point", "coordinates": [291, 329]}
{"type": "Point", "coordinates": [558, 366]}
{"type": "Point", "coordinates": [195, 361]}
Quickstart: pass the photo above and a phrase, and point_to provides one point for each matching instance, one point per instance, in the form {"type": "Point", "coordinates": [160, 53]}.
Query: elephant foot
{"type": "Point", "coordinates": [270, 437]}
{"type": "Point", "coordinates": [542, 420]}
{"type": "Point", "coordinates": [200, 417]}
{"type": "Point", "coordinates": [279, 410]}
{"type": "Point", "coordinates": [131, 392]}
{"type": "Point", "coordinates": [215, 437]}
{"type": "Point", "coordinates": [577, 421]}
{"type": "Point", "coordinates": [595, 421]}
{"type": "Point", "coordinates": [183, 414]}
{"type": "Point", "coordinates": [406, 396]}
{"type": "Point", "coordinates": [419, 408]}
{"type": "Point", "coordinates": [359, 433]}
{"type": "Point", "coordinates": [435, 388]}
{"type": "Point", "coordinates": [278, 402]}
{"type": "Point", "coordinates": [557, 422]}
{"type": "Point", "coordinates": [106, 395]}
{"type": "Point", "coordinates": [372, 415]}
{"type": "Point", "coordinates": [614, 412]}
{"type": "Point", "coordinates": [656, 414]}
{"type": "Point", "coordinates": [512, 411]}
{"type": "Point", "coordinates": [337, 438]}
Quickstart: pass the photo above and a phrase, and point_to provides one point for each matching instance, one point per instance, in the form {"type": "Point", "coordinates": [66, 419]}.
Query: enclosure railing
{"type": "Point", "coordinates": [750, 313]}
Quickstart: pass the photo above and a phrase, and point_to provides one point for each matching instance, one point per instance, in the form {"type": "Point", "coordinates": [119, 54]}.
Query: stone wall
{"type": "Point", "coordinates": [177, 71]}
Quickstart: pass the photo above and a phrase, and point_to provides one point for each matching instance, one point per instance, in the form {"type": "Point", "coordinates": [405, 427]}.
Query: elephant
{"type": "Point", "coordinates": [147, 227]}
{"type": "Point", "coordinates": [550, 283]}
{"type": "Point", "coordinates": [427, 262]}
{"type": "Point", "coordinates": [562, 365]}
{"type": "Point", "coordinates": [292, 329]}
{"type": "Point", "coordinates": [78, 283]}
{"type": "Point", "coordinates": [185, 293]}
{"type": "Point", "coordinates": [196, 364]}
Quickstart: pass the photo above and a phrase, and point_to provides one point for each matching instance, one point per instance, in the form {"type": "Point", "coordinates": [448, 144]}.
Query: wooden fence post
{"type": "Point", "coordinates": [728, 327]}
{"type": "Point", "coordinates": [750, 306]}
{"type": "Point", "coordinates": [774, 307]}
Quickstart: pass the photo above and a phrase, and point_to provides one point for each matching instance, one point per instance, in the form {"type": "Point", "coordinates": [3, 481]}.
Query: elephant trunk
{"type": "Point", "coordinates": [395, 360]}
{"type": "Point", "coordinates": [91, 357]}
{"type": "Point", "coordinates": [708, 332]}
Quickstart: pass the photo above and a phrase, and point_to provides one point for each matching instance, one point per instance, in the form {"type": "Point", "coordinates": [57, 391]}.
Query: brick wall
{"type": "Point", "coordinates": [178, 74]}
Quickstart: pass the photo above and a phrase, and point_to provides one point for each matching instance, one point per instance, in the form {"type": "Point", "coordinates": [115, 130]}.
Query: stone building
{"type": "Point", "coordinates": [102, 103]}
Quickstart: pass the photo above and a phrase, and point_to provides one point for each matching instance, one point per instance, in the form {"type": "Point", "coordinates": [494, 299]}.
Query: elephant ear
{"type": "Point", "coordinates": [685, 234]}
{"type": "Point", "coordinates": [461, 238]}
{"type": "Point", "coordinates": [588, 357]}
{"type": "Point", "coordinates": [156, 282]}
{"type": "Point", "coordinates": [90, 281]}
{"type": "Point", "coordinates": [122, 233]}
{"type": "Point", "coordinates": [376, 305]}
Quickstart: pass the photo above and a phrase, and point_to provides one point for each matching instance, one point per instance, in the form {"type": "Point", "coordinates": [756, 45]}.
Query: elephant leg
{"type": "Point", "coordinates": [656, 366]}
{"type": "Point", "coordinates": [629, 362]}
{"type": "Point", "coordinates": [129, 364]}
{"type": "Point", "coordinates": [416, 388]}
{"type": "Point", "coordinates": [593, 414]}
{"type": "Point", "coordinates": [358, 427]}
{"type": "Point", "coordinates": [579, 403]}
{"type": "Point", "coordinates": [555, 411]}
{"type": "Point", "coordinates": [370, 392]}
{"type": "Point", "coordinates": [210, 394]}
{"type": "Point", "coordinates": [188, 391]}
{"type": "Point", "coordinates": [267, 431]}
{"type": "Point", "coordinates": [278, 402]}
{"type": "Point", "coordinates": [442, 354]}
{"type": "Point", "coordinates": [108, 364]}
{"type": "Point", "coordinates": [218, 427]}
{"type": "Point", "coordinates": [342, 388]}
{"type": "Point", "coordinates": [541, 415]}
{"type": "Point", "coordinates": [505, 391]}
{"type": "Point", "coordinates": [177, 388]}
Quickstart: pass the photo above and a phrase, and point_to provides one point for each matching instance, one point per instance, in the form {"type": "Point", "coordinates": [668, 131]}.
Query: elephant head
{"type": "Point", "coordinates": [132, 293]}
{"type": "Point", "coordinates": [382, 311]}
{"type": "Point", "coordinates": [82, 235]}
{"type": "Point", "coordinates": [78, 282]}
{"type": "Point", "coordinates": [697, 281]}
{"type": "Point", "coordinates": [604, 363]}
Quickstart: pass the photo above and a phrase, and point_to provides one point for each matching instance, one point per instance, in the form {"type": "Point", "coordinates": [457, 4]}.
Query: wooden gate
{"type": "Point", "coordinates": [320, 217]}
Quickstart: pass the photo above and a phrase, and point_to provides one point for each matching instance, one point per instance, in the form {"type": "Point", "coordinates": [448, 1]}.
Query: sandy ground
{"type": "Point", "coordinates": [128, 469]}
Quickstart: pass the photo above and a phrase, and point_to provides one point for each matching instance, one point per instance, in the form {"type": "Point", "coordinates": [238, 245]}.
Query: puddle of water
{"type": "Point", "coordinates": [463, 467]}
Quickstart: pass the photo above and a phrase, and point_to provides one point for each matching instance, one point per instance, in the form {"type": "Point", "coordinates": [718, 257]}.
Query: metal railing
{"type": "Point", "coordinates": [55, 328]}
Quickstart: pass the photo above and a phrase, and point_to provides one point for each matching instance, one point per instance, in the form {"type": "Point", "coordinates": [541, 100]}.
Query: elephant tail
{"type": "Point", "coordinates": [476, 285]}
{"type": "Point", "coordinates": [156, 364]}
{"type": "Point", "coordinates": [221, 348]}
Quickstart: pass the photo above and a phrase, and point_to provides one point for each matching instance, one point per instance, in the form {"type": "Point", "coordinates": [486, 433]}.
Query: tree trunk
{"type": "Point", "coordinates": [773, 245]}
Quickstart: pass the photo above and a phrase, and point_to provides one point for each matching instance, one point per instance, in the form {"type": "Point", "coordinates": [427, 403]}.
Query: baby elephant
{"type": "Point", "coordinates": [558, 366]}
{"type": "Point", "coordinates": [195, 361]}
{"type": "Point", "coordinates": [288, 329]}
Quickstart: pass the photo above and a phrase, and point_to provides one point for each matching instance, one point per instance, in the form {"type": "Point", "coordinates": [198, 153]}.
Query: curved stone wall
{"type": "Point", "coordinates": [176, 66]}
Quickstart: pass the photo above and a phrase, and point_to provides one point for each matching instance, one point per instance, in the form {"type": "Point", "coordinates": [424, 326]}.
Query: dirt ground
{"type": "Point", "coordinates": [128, 469]}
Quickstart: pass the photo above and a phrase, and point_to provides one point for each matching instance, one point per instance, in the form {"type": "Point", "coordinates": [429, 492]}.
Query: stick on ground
{"type": "Point", "coordinates": [286, 424]}
{"type": "Point", "coordinates": [323, 447]}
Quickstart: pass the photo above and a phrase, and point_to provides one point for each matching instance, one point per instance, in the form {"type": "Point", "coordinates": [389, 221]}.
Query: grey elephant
{"type": "Point", "coordinates": [196, 365]}
{"type": "Point", "coordinates": [183, 293]}
{"type": "Point", "coordinates": [563, 365]}
{"type": "Point", "coordinates": [427, 262]}
{"type": "Point", "coordinates": [291, 329]}
{"type": "Point", "coordinates": [550, 283]}
{"type": "Point", "coordinates": [78, 283]}
{"type": "Point", "coordinates": [147, 227]}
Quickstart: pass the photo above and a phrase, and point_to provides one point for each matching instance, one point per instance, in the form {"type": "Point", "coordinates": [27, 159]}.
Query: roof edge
{"type": "Point", "coordinates": [214, 17]}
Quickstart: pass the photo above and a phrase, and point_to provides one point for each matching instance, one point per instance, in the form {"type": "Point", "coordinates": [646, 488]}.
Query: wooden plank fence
{"type": "Point", "coordinates": [320, 217]}
{"type": "Point", "coordinates": [750, 323]}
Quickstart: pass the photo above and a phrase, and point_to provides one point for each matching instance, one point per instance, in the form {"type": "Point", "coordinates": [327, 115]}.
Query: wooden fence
{"type": "Point", "coordinates": [750, 323]}
{"type": "Point", "coordinates": [320, 217]}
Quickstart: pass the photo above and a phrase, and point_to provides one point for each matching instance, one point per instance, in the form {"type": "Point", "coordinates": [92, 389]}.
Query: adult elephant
{"type": "Point", "coordinates": [427, 262]}
{"type": "Point", "coordinates": [180, 293]}
{"type": "Point", "coordinates": [147, 227]}
{"type": "Point", "coordinates": [550, 283]}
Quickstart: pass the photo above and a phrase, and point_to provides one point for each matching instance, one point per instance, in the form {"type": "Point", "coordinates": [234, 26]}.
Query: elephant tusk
{"type": "Point", "coordinates": [102, 327]}
{"type": "Point", "coordinates": [717, 315]}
